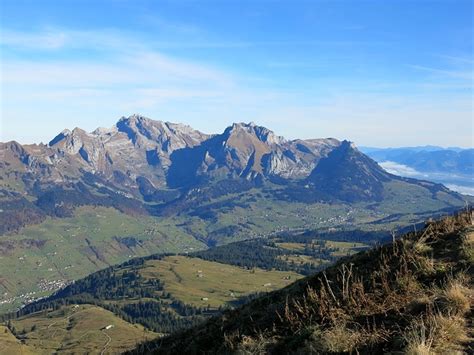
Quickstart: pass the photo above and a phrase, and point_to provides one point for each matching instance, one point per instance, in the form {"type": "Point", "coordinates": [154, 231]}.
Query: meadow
{"type": "Point", "coordinates": [201, 283]}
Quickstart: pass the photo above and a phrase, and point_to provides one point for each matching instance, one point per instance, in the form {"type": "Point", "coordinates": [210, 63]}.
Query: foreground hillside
{"type": "Point", "coordinates": [414, 295]}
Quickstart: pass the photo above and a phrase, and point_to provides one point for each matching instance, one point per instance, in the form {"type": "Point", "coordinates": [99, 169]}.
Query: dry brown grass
{"type": "Point", "coordinates": [456, 296]}
{"type": "Point", "coordinates": [255, 345]}
{"type": "Point", "coordinates": [450, 334]}
{"type": "Point", "coordinates": [419, 339]}
{"type": "Point", "coordinates": [395, 284]}
{"type": "Point", "coordinates": [336, 339]}
{"type": "Point", "coordinates": [343, 338]}
{"type": "Point", "coordinates": [436, 334]}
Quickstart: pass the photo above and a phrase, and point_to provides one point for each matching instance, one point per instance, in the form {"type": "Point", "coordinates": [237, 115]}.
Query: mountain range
{"type": "Point", "coordinates": [141, 160]}
{"type": "Point", "coordinates": [168, 154]}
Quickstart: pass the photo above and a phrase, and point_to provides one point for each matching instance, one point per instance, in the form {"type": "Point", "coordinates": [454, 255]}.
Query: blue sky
{"type": "Point", "coordinates": [379, 73]}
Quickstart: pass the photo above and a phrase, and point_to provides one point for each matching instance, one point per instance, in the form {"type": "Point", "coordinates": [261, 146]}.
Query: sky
{"type": "Point", "coordinates": [379, 73]}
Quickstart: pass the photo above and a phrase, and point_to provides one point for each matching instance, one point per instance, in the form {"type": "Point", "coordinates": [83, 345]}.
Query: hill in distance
{"type": "Point", "coordinates": [414, 295]}
{"type": "Point", "coordinates": [75, 329]}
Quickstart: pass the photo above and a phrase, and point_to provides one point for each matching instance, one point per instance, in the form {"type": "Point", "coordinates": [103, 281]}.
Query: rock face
{"type": "Point", "coordinates": [248, 151]}
{"type": "Point", "coordinates": [162, 137]}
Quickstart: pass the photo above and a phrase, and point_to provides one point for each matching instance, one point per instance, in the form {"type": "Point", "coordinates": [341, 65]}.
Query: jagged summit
{"type": "Point", "coordinates": [243, 150]}
{"type": "Point", "coordinates": [169, 136]}
{"type": "Point", "coordinates": [262, 133]}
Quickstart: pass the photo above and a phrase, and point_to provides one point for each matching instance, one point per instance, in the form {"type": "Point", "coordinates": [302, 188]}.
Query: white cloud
{"type": "Point", "coordinates": [43, 40]}
{"type": "Point", "coordinates": [401, 170]}
{"type": "Point", "coordinates": [466, 74]}
{"type": "Point", "coordinates": [461, 184]}
{"type": "Point", "coordinates": [461, 189]}
{"type": "Point", "coordinates": [51, 94]}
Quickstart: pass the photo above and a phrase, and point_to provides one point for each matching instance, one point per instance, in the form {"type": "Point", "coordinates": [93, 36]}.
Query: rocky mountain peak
{"type": "Point", "coordinates": [261, 133]}
{"type": "Point", "coordinates": [149, 133]}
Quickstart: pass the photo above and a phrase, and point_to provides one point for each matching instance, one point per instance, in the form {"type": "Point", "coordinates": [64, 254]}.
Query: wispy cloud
{"type": "Point", "coordinates": [130, 77]}
{"type": "Point", "coordinates": [59, 38]}
{"type": "Point", "coordinates": [458, 59]}
{"type": "Point", "coordinates": [56, 38]}
{"type": "Point", "coordinates": [43, 40]}
{"type": "Point", "coordinates": [111, 73]}
{"type": "Point", "coordinates": [466, 74]}
{"type": "Point", "coordinates": [402, 170]}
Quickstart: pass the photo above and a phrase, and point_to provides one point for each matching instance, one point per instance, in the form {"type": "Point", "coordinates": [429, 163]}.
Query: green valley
{"type": "Point", "coordinates": [42, 258]}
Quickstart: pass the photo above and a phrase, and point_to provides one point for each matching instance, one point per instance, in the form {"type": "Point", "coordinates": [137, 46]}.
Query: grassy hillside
{"type": "Point", "coordinates": [200, 283]}
{"type": "Point", "coordinates": [11, 345]}
{"type": "Point", "coordinates": [73, 329]}
{"type": "Point", "coordinates": [43, 257]}
{"type": "Point", "coordinates": [414, 295]}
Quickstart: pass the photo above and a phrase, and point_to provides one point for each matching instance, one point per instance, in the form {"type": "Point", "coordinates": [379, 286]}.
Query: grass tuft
{"type": "Point", "coordinates": [455, 297]}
